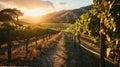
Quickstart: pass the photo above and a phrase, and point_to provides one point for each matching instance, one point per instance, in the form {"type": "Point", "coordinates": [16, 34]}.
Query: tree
{"type": "Point", "coordinates": [10, 14]}
{"type": "Point", "coordinates": [6, 16]}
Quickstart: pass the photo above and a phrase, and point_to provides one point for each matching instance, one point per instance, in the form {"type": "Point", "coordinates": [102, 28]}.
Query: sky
{"type": "Point", "coordinates": [41, 7]}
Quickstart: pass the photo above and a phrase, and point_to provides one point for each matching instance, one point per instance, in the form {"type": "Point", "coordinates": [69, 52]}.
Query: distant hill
{"type": "Point", "coordinates": [67, 16]}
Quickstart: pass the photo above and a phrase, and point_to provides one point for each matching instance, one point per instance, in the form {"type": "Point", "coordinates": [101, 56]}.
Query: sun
{"type": "Point", "coordinates": [34, 12]}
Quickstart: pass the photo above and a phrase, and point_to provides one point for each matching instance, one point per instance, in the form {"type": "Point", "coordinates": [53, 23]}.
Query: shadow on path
{"type": "Point", "coordinates": [78, 57]}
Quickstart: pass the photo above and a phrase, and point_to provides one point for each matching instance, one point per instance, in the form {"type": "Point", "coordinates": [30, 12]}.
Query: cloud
{"type": "Point", "coordinates": [29, 4]}
{"type": "Point", "coordinates": [5, 0]}
{"type": "Point", "coordinates": [2, 6]}
{"type": "Point", "coordinates": [63, 4]}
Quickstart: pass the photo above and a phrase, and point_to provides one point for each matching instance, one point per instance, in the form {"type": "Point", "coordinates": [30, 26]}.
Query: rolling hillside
{"type": "Point", "coordinates": [67, 16]}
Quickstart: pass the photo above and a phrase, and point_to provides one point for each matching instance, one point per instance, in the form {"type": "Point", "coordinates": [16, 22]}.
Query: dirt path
{"type": "Point", "coordinates": [59, 56]}
{"type": "Point", "coordinates": [62, 55]}
{"type": "Point", "coordinates": [58, 51]}
{"type": "Point", "coordinates": [54, 57]}
{"type": "Point", "coordinates": [19, 53]}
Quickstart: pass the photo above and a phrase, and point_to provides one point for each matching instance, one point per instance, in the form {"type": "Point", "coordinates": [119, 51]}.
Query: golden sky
{"type": "Point", "coordinates": [41, 7]}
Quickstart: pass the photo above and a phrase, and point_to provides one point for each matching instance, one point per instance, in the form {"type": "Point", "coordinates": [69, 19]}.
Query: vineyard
{"type": "Point", "coordinates": [101, 25]}
{"type": "Point", "coordinates": [93, 40]}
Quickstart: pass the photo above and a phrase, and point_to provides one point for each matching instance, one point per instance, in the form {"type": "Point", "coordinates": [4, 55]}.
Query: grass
{"type": "Point", "coordinates": [72, 52]}
{"type": "Point", "coordinates": [89, 59]}
{"type": "Point", "coordinates": [62, 50]}
{"type": "Point", "coordinates": [55, 26]}
{"type": "Point", "coordinates": [79, 57]}
{"type": "Point", "coordinates": [19, 55]}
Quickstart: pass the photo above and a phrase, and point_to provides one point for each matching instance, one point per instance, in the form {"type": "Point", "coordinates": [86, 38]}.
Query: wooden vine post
{"type": "Point", "coordinates": [102, 44]}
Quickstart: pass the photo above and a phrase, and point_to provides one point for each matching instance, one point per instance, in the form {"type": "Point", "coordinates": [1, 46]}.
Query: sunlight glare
{"type": "Point", "coordinates": [34, 12]}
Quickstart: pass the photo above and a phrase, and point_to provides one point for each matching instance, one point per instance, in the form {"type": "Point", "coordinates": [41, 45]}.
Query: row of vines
{"type": "Point", "coordinates": [11, 30]}
{"type": "Point", "coordinates": [102, 24]}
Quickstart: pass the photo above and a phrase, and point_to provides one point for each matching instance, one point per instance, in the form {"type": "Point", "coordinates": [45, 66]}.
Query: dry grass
{"type": "Point", "coordinates": [51, 42]}
{"type": "Point", "coordinates": [19, 54]}
{"type": "Point", "coordinates": [60, 55]}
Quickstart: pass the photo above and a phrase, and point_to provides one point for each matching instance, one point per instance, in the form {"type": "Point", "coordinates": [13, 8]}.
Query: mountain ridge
{"type": "Point", "coordinates": [66, 16]}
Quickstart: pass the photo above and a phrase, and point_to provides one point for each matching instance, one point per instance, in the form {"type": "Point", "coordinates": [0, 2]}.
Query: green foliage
{"type": "Point", "coordinates": [22, 32]}
{"type": "Point", "coordinates": [109, 14]}
{"type": "Point", "coordinates": [55, 26]}
{"type": "Point", "coordinates": [88, 23]}
{"type": "Point", "coordinates": [106, 12]}
{"type": "Point", "coordinates": [4, 28]}
{"type": "Point", "coordinates": [10, 14]}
